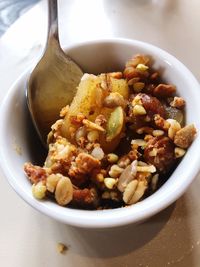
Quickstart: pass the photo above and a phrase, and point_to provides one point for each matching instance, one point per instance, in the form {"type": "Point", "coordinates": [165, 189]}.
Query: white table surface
{"type": "Point", "coordinates": [171, 238]}
{"type": "Point", "coordinates": [10, 10]}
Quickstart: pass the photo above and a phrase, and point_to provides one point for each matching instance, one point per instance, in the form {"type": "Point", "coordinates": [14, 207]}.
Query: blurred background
{"type": "Point", "coordinates": [10, 10]}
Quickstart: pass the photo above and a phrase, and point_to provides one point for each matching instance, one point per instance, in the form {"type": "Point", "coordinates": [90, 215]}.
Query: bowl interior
{"type": "Point", "coordinates": [19, 143]}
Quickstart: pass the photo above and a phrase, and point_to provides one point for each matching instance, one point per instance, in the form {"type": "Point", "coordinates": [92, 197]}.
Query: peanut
{"type": "Point", "coordinates": [64, 191]}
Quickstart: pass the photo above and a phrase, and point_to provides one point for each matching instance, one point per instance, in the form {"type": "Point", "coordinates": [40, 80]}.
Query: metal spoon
{"type": "Point", "coordinates": [53, 82]}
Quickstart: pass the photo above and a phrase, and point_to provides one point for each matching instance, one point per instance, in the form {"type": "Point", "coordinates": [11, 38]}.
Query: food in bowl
{"type": "Point", "coordinates": [118, 141]}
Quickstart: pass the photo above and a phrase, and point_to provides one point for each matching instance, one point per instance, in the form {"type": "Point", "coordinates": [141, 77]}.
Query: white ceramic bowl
{"type": "Point", "coordinates": [17, 133]}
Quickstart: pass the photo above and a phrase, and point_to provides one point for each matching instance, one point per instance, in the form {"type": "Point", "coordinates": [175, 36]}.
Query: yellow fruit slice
{"type": "Point", "coordinates": [87, 102]}
{"type": "Point", "coordinates": [119, 86]}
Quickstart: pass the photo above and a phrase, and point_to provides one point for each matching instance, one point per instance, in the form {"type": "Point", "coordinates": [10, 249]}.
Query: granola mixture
{"type": "Point", "coordinates": [118, 141]}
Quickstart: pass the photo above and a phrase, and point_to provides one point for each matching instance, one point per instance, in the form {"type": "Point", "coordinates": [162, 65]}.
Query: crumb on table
{"type": "Point", "coordinates": [61, 248]}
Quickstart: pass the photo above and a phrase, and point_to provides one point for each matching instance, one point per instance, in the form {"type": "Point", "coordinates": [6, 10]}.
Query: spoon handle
{"type": "Point", "coordinates": [52, 20]}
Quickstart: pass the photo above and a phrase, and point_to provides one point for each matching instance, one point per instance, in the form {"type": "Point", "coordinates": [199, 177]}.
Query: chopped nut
{"type": "Point", "coordinates": [124, 161]}
{"type": "Point", "coordinates": [174, 127]}
{"type": "Point", "coordinates": [61, 248]}
{"type": "Point", "coordinates": [116, 75]}
{"type": "Point", "coordinates": [39, 190]}
{"type": "Point", "coordinates": [153, 152]}
{"type": "Point", "coordinates": [129, 191]}
{"type": "Point", "coordinates": [100, 120]}
{"type": "Point", "coordinates": [100, 177]}
{"type": "Point", "coordinates": [131, 72]}
{"type": "Point", "coordinates": [106, 195]}
{"type": "Point", "coordinates": [72, 131]}
{"type": "Point", "coordinates": [134, 191]}
{"type": "Point", "coordinates": [64, 111]}
{"type": "Point", "coordinates": [161, 123]}
{"type": "Point", "coordinates": [139, 110]}
{"type": "Point", "coordinates": [60, 151]}
{"type": "Point", "coordinates": [80, 133]}
{"type": "Point", "coordinates": [179, 152]}
{"type": "Point", "coordinates": [97, 153]}
{"type": "Point", "coordinates": [89, 146]}
{"type": "Point", "coordinates": [133, 154]}
{"type": "Point", "coordinates": [35, 173]}
{"type": "Point", "coordinates": [178, 102]}
{"type": "Point", "coordinates": [142, 130]}
{"type": "Point", "coordinates": [110, 182]}
{"type": "Point", "coordinates": [55, 131]}
{"type": "Point", "coordinates": [114, 100]}
{"type": "Point", "coordinates": [142, 163]}
{"type": "Point", "coordinates": [112, 158]}
{"type": "Point", "coordinates": [152, 105]}
{"type": "Point", "coordinates": [138, 59]}
{"type": "Point", "coordinates": [158, 133]}
{"type": "Point", "coordinates": [164, 159]}
{"type": "Point", "coordinates": [127, 175]}
{"type": "Point", "coordinates": [52, 181]}
{"type": "Point", "coordinates": [185, 136]}
{"type": "Point", "coordinates": [133, 80]}
{"type": "Point", "coordinates": [142, 67]}
{"type": "Point", "coordinates": [115, 196]}
{"type": "Point", "coordinates": [139, 142]}
{"type": "Point", "coordinates": [78, 119]}
{"type": "Point", "coordinates": [138, 86]}
{"type": "Point", "coordinates": [154, 182]}
{"type": "Point", "coordinates": [86, 163]}
{"type": "Point", "coordinates": [149, 168]}
{"type": "Point", "coordinates": [64, 191]}
{"type": "Point", "coordinates": [77, 175]}
{"type": "Point", "coordinates": [147, 118]}
{"type": "Point", "coordinates": [137, 100]}
{"type": "Point", "coordinates": [164, 90]}
{"type": "Point", "coordinates": [115, 171]}
{"type": "Point", "coordinates": [154, 76]}
{"type": "Point", "coordinates": [148, 137]}
{"type": "Point", "coordinates": [93, 126]}
{"type": "Point", "coordinates": [86, 198]}
{"type": "Point", "coordinates": [93, 136]}
{"type": "Point", "coordinates": [104, 84]}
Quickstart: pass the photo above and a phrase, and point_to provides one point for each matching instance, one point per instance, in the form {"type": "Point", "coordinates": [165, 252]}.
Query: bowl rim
{"type": "Point", "coordinates": [112, 217]}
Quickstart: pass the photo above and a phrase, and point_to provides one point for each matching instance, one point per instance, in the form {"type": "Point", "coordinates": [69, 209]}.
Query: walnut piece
{"type": "Point", "coordinates": [77, 178]}
{"type": "Point", "coordinates": [85, 197]}
{"type": "Point", "coordinates": [35, 173]}
{"type": "Point", "coordinates": [178, 102]}
{"type": "Point", "coordinates": [86, 163]}
{"type": "Point", "coordinates": [164, 90]}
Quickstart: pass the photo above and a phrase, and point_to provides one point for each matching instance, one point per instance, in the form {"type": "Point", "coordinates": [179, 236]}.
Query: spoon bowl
{"type": "Point", "coordinates": [53, 82]}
